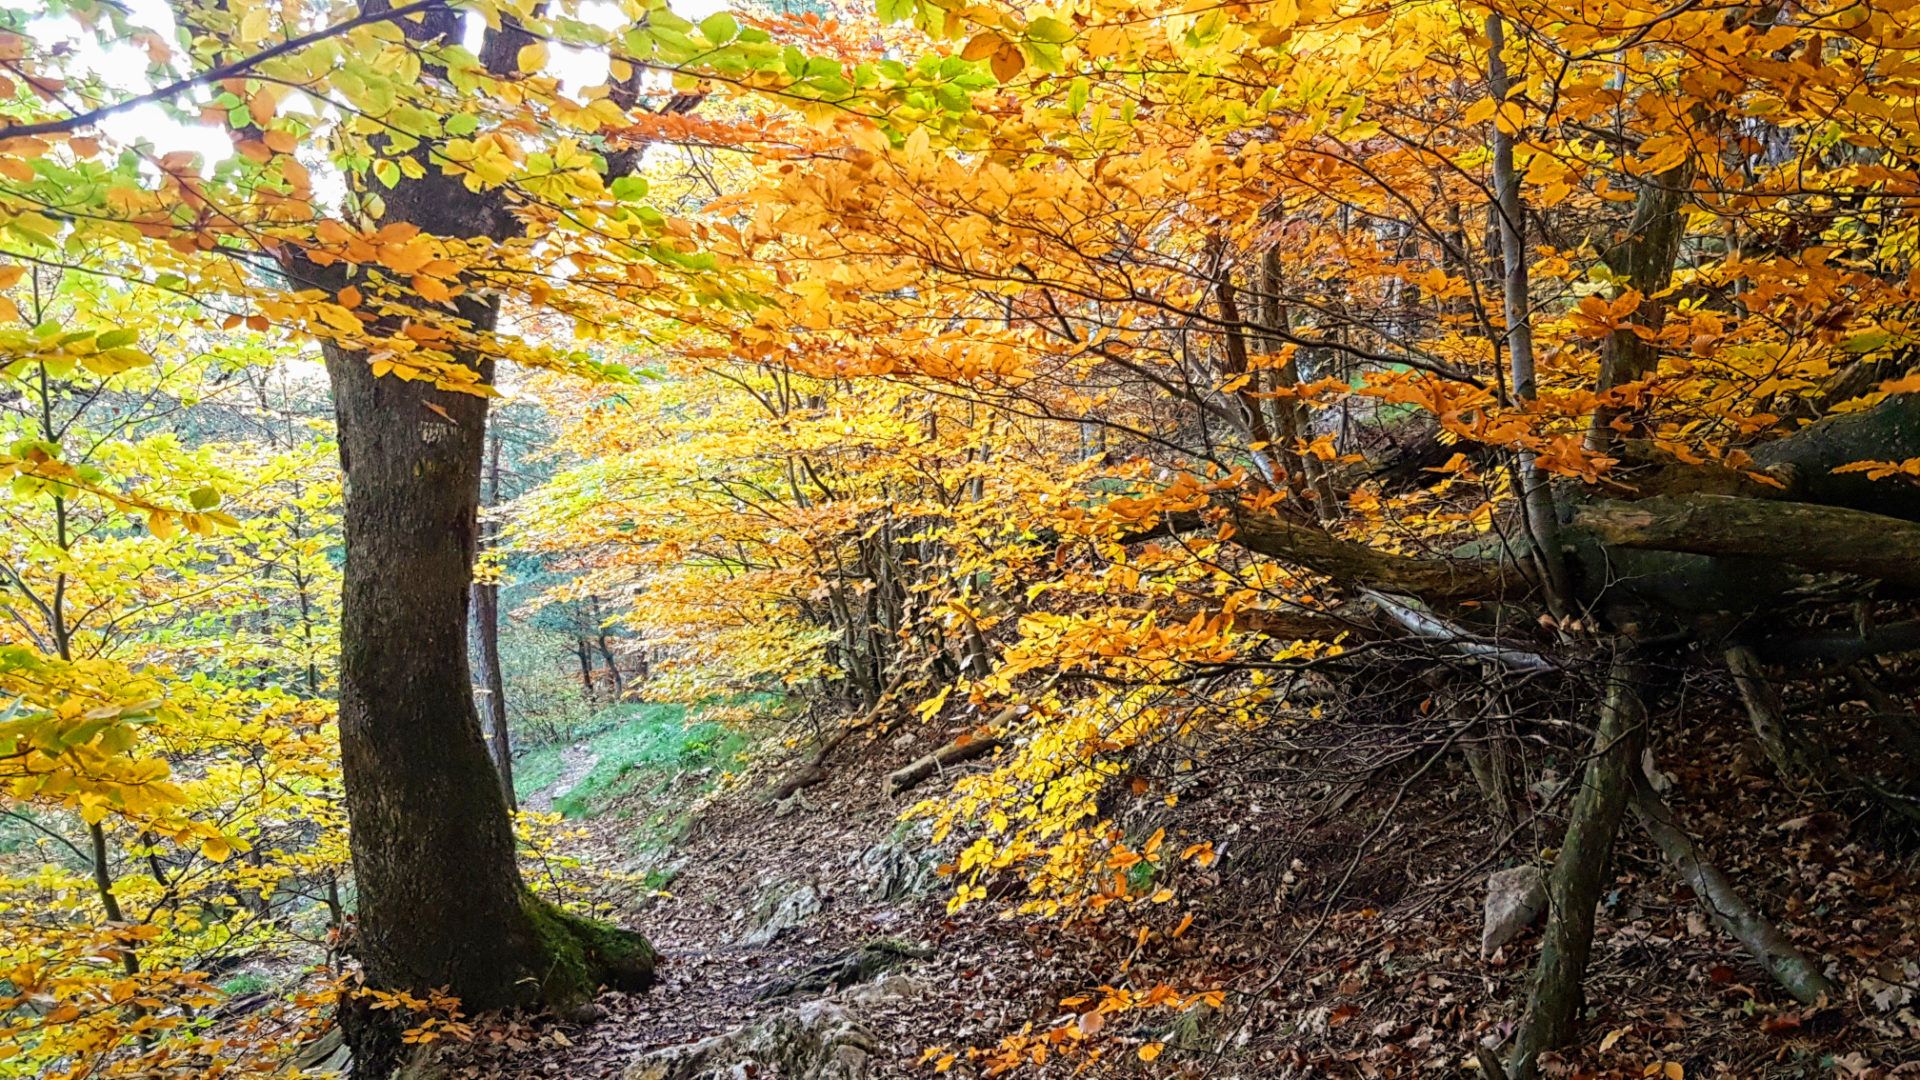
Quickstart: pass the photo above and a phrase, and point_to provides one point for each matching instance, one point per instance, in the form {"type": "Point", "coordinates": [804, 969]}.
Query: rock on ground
{"type": "Point", "coordinates": [784, 908]}
{"type": "Point", "coordinates": [1515, 898]}
{"type": "Point", "coordinates": [898, 868]}
{"type": "Point", "coordinates": [819, 1040]}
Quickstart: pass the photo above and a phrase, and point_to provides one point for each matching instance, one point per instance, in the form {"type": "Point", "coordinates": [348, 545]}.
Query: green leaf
{"type": "Point", "coordinates": [203, 498]}
{"type": "Point", "coordinates": [629, 188]}
{"type": "Point", "coordinates": [720, 27]}
{"type": "Point", "coordinates": [114, 339]}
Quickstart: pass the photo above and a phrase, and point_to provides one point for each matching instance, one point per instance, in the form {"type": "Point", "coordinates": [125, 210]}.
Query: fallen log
{"type": "Point", "coordinates": [965, 748]}
{"type": "Point", "coordinates": [1809, 535]}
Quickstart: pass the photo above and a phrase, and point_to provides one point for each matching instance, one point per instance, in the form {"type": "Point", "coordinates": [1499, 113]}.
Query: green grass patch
{"type": "Point", "coordinates": [632, 743]}
{"type": "Point", "coordinates": [247, 982]}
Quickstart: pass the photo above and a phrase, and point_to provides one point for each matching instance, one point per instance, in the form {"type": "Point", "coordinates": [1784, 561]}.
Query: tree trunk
{"type": "Point", "coordinates": [441, 900]}
{"type": "Point", "coordinates": [1536, 498]}
{"type": "Point", "coordinates": [486, 628]}
{"type": "Point", "coordinates": [1579, 872]}
{"type": "Point", "coordinates": [442, 903]}
{"type": "Point", "coordinates": [613, 668]}
{"type": "Point", "coordinates": [486, 620]}
{"type": "Point", "coordinates": [586, 668]}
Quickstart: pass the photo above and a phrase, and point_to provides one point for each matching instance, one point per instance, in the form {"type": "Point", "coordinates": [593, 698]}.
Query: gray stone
{"type": "Point", "coordinates": [786, 907]}
{"type": "Point", "coordinates": [1515, 898]}
{"type": "Point", "coordinates": [819, 1040]}
{"type": "Point", "coordinates": [861, 965]}
{"type": "Point", "coordinates": [898, 868]}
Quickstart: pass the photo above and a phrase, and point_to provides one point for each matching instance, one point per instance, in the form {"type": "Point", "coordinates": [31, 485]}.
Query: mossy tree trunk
{"type": "Point", "coordinates": [1580, 871]}
{"type": "Point", "coordinates": [442, 902]}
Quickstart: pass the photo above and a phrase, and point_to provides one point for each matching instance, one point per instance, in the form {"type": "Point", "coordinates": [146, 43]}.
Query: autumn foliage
{"type": "Point", "coordinates": [1133, 389]}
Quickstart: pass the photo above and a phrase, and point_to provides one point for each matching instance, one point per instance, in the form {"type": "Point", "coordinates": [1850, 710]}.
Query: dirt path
{"type": "Point", "coordinates": [576, 762]}
{"type": "Point", "coordinates": [730, 872]}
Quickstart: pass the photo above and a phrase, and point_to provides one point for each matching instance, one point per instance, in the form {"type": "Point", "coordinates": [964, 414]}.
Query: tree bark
{"type": "Point", "coordinates": [1579, 871]}
{"type": "Point", "coordinates": [1824, 538]}
{"type": "Point", "coordinates": [1536, 497]}
{"type": "Point", "coordinates": [586, 668]}
{"type": "Point", "coordinates": [1645, 259]}
{"type": "Point", "coordinates": [613, 668]}
{"type": "Point", "coordinates": [441, 900]}
{"type": "Point", "coordinates": [486, 618]}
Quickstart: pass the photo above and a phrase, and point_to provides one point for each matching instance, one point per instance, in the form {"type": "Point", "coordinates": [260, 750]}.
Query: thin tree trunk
{"type": "Point", "coordinates": [486, 623]}
{"type": "Point", "coordinates": [1290, 413]}
{"type": "Point", "coordinates": [1579, 871]}
{"type": "Point", "coordinates": [1537, 503]}
{"type": "Point", "coordinates": [1767, 715]}
{"type": "Point", "coordinates": [1645, 259]}
{"type": "Point", "coordinates": [586, 668]}
{"type": "Point", "coordinates": [1723, 903]}
{"type": "Point", "coordinates": [606, 651]}
{"type": "Point", "coordinates": [486, 628]}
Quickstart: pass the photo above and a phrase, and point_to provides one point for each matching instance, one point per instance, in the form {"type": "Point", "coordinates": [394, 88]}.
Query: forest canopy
{"type": "Point", "coordinates": [1148, 414]}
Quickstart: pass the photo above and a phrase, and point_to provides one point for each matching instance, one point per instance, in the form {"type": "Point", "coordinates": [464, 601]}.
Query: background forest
{"type": "Point", "coordinates": [1126, 537]}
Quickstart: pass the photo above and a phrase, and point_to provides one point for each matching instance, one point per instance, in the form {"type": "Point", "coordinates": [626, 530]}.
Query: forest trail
{"type": "Point", "coordinates": [754, 894]}
{"type": "Point", "coordinates": [575, 763]}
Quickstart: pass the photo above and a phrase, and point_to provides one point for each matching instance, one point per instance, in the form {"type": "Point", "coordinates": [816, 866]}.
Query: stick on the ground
{"type": "Point", "coordinates": [815, 770]}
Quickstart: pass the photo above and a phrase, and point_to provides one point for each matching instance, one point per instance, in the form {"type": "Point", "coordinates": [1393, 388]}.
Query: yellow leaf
{"type": "Point", "coordinates": [216, 848]}
{"type": "Point", "coordinates": [1151, 1051]}
{"type": "Point", "coordinates": [1511, 118]}
{"type": "Point", "coordinates": [532, 57]}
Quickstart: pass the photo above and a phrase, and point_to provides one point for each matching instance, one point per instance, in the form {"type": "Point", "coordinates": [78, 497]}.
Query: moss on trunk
{"type": "Point", "coordinates": [584, 955]}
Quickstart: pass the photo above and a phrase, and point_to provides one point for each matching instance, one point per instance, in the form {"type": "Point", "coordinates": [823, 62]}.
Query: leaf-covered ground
{"type": "Point", "coordinates": [1345, 937]}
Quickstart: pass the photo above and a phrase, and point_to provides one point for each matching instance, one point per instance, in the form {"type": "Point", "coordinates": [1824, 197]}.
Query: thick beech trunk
{"type": "Point", "coordinates": [1579, 872]}
{"type": "Point", "coordinates": [441, 900]}
{"type": "Point", "coordinates": [442, 903]}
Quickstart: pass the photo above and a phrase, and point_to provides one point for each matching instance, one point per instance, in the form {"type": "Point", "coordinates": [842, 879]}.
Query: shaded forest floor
{"type": "Point", "coordinates": [1348, 939]}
